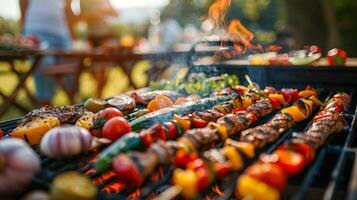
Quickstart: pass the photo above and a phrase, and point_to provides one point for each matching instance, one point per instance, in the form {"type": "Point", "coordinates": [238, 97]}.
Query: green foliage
{"type": "Point", "coordinates": [9, 26]}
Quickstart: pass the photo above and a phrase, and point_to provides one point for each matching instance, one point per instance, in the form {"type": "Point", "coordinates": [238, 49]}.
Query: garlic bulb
{"type": "Point", "coordinates": [18, 164]}
{"type": "Point", "coordinates": [61, 142]}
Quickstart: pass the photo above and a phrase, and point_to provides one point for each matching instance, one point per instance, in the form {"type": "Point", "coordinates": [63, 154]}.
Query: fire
{"type": "Point", "coordinates": [114, 187]}
{"type": "Point", "coordinates": [217, 190]}
{"type": "Point", "coordinates": [135, 194]}
{"type": "Point", "coordinates": [240, 35]}
{"type": "Point", "coordinates": [218, 11]}
{"type": "Point", "coordinates": [156, 176]}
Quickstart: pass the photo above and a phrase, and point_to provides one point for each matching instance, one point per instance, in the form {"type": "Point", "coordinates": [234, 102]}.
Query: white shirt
{"type": "Point", "coordinates": [46, 16]}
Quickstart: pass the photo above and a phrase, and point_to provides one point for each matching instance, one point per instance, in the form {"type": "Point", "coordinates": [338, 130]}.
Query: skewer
{"type": "Point", "coordinates": [250, 82]}
{"type": "Point", "coordinates": [170, 193]}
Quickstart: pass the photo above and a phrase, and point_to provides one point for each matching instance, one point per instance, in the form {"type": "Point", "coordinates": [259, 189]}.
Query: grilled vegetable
{"type": "Point", "coordinates": [18, 164]}
{"type": "Point", "coordinates": [167, 113]}
{"type": "Point", "coordinates": [72, 186]}
{"type": "Point", "coordinates": [115, 128]}
{"type": "Point", "coordinates": [122, 102]}
{"type": "Point", "coordinates": [146, 97]}
{"type": "Point", "coordinates": [34, 130]}
{"type": "Point", "coordinates": [258, 190]}
{"type": "Point", "coordinates": [160, 101]}
{"type": "Point", "coordinates": [94, 105]}
{"type": "Point", "coordinates": [336, 57]}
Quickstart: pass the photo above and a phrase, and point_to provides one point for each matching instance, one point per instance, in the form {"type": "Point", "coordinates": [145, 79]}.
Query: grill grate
{"type": "Point", "coordinates": [321, 180]}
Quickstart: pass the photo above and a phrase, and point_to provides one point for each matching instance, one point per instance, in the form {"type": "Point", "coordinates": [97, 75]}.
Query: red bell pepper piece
{"type": "Point", "coordinates": [199, 123]}
{"type": "Point", "coordinates": [182, 158]}
{"type": "Point", "coordinates": [126, 170]}
{"type": "Point", "coordinates": [290, 161]}
{"type": "Point", "coordinates": [153, 134]}
{"type": "Point", "coordinates": [235, 110]}
{"type": "Point", "coordinates": [275, 103]}
{"type": "Point", "coordinates": [221, 169]}
{"type": "Point", "coordinates": [305, 149]}
{"type": "Point", "coordinates": [171, 130]}
{"type": "Point", "coordinates": [202, 172]}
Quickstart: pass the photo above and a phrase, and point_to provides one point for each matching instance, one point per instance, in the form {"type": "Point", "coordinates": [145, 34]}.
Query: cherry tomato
{"type": "Point", "coordinates": [336, 57]}
{"type": "Point", "coordinates": [115, 128]}
{"type": "Point", "coordinates": [306, 150]}
{"type": "Point", "coordinates": [290, 161]}
{"type": "Point", "coordinates": [182, 158]}
{"type": "Point", "coordinates": [97, 132]}
{"type": "Point", "coordinates": [269, 173]}
{"type": "Point", "coordinates": [126, 170]}
{"type": "Point", "coordinates": [109, 113]}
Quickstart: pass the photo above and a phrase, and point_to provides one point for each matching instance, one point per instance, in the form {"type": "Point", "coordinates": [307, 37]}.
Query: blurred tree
{"type": "Point", "coordinates": [9, 26]}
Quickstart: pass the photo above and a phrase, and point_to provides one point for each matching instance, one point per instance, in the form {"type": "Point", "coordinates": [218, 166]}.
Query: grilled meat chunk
{"type": "Point", "coordinates": [201, 137]}
{"type": "Point", "coordinates": [208, 115]}
{"type": "Point", "coordinates": [66, 114]}
{"type": "Point", "coordinates": [259, 135]}
{"type": "Point", "coordinates": [281, 122]}
{"type": "Point", "coordinates": [261, 108]}
{"type": "Point", "coordinates": [146, 97]}
{"type": "Point", "coordinates": [235, 122]}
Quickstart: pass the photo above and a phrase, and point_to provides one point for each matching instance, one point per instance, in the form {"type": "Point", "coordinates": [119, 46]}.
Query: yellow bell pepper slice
{"type": "Point", "coordinates": [247, 102]}
{"type": "Point", "coordinates": [221, 130]}
{"type": "Point", "coordinates": [316, 101]}
{"type": "Point", "coordinates": [257, 190]}
{"type": "Point", "coordinates": [246, 147]}
{"type": "Point", "coordinates": [85, 121]}
{"type": "Point", "coordinates": [294, 111]}
{"type": "Point", "coordinates": [33, 131]}
{"type": "Point", "coordinates": [307, 93]}
{"type": "Point", "coordinates": [278, 97]}
{"type": "Point", "coordinates": [233, 156]}
{"type": "Point", "coordinates": [185, 123]}
{"type": "Point", "coordinates": [187, 181]}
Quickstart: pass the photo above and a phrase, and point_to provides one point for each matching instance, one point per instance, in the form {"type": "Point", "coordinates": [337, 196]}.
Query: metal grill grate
{"type": "Point", "coordinates": [333, 174]}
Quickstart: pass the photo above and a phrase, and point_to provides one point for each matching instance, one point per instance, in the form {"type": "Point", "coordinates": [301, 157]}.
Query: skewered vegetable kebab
{"type": "Point", "coordinates": [291, 157]}
{"type": "Point", "coordinates": [232, 157]}
{"type": "Point", "coordinates": [134, 167]}
{"type": "Point", "coordinates": [174, 128]}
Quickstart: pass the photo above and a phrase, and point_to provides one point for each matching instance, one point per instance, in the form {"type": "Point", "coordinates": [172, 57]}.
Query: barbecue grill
{"type": "Point", "coordinates": [333, 174]}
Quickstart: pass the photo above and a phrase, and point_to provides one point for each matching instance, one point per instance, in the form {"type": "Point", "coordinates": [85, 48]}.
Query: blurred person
{"type": "Point", "coordinates": [96, 14]}
{"type": "Point", "coordinates": [50, 21]}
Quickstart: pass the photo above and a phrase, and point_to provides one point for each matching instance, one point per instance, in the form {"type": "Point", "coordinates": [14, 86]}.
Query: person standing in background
{"type": "Point", "coordinates": [50, 21]}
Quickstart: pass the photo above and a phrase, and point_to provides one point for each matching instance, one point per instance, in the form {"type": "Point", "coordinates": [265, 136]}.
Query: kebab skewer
{"type": "Point", "coordinates": [234, 155]}
{"type": "Point", "coordinates": [175, 128]}
{"type": "Point", "coordinates": [141, 164]}
{"type": "Point", "coordinates": [290, 158]}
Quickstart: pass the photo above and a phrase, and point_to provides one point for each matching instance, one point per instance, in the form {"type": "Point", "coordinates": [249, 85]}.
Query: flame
{"type": "Point", "coordinates": [114, 187]}
{"type": "Point", "coordinates": [135, 194]}
{"type": "Point", "coordinates": [157, 175]}
{"type": "Point", "coordinates": [217, 190]}
{"type": "Point", "coordinates": [240, 35]}
{"type": "Point", "coordinates": [104, 177]}
{"type": "Point", "coordinates": [218, 11]}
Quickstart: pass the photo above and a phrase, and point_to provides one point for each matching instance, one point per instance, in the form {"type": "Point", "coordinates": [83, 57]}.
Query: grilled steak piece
{"type": "Point", "coordinates": [235, 122]}
{"type": "Point", "coordinates": [66, 114]}
{"type": "Point", "coordinates": [201, 137]}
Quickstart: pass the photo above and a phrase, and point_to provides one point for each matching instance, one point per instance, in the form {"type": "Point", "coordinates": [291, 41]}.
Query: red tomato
{"type": "Point", "coordinates": [268, 173]}
{"type": "Point", "coordinates": [109, 113]}
{"type": "Point", "coordinates": [126, 170]}
{"type": "Point", "coordinates": [306, 150]}
{"type": "Point", "coordinates": [336, 57]}
{"type": "Point", "coordinates": [182, 159]}
{"type": "Point", "coordinates": [291, 162]}
{"type": "Point", "coordinates": [115, 128]}
{"type": "Point", "coordinates": [97, 132]}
